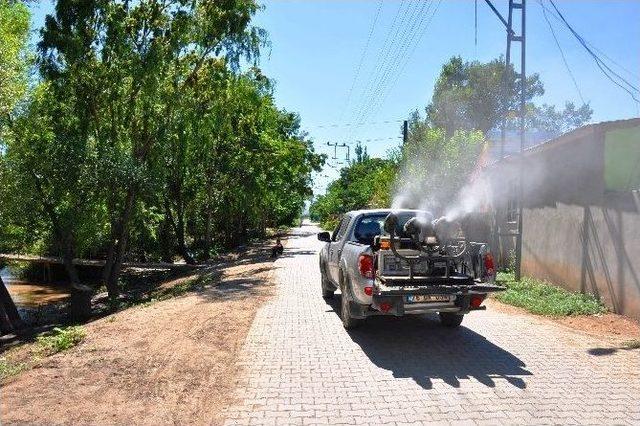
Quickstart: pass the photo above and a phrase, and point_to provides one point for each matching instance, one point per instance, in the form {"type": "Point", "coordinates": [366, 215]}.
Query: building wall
{"type": "Point", "coordinates": [591, 249]}
{"type": "Point", "coordinates": [581, 222]}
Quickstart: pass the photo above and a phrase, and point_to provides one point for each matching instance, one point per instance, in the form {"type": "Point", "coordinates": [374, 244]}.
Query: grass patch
{"type": "Point", "coordinates": [27, 356]}
{"type": "Point", "coordinates": [8, 368]}
{"type": "Point", "coordinates": [632, 344]}
{"type": "Point", "coordinates": [543, 298]}
{"type": "Point", "coordinates": [60, 339]}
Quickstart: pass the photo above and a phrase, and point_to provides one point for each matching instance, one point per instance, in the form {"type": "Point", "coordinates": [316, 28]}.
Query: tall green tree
{"type": "Point", "coordinates": [14, 32]}
{"type": "Point", "coordinates": [148, 136]}
{"type": "Point", "coordinates": [478, 96]}
{"type": "Point", "coordinates": [126, 64]}
{"type": "Point", "coordinates": [14, 61]}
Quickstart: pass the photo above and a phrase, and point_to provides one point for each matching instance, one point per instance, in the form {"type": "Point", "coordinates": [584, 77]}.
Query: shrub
{"type": "Point", "coordinates": [60, 339]}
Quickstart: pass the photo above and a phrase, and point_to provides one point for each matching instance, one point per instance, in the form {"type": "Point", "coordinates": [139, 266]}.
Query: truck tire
{"type": "Point", "coordinates": [450, 319]}
{"type": "Point", "coordinates": [348, 321]}
{"type": "Point", "coordinates": [327, 288]}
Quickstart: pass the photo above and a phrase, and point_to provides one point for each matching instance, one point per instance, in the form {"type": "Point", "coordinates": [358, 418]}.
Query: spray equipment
{"type": "Point", "coordinates": [425, 234]}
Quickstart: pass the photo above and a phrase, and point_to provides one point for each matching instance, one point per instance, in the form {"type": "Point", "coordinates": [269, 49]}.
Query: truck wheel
{"type": "Point", "coordinates": [348, 321]}
{"type": "Point", "coordinates": [450, 319]}
{"type": "Point", "coordinates": [327, 288]}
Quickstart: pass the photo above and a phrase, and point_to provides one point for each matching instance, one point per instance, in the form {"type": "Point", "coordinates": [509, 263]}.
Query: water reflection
{"type": "Point", "coordinates": [32, 295]}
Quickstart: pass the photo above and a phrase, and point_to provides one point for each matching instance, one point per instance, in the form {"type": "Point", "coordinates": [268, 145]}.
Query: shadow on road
{"type": "Point", "coordinates": [418, 347]}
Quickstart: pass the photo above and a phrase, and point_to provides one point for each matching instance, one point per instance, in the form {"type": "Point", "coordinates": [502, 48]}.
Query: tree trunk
{"type": "Point", "coordinates": [81, 305]}
{"type": "Point", "coordinates": [178, 228]}
{"type": "Point", "coordinates": [9, 309]}
{"type": "Point", "coordinates": [207, 235]}
{"type": "Point", "coordinates": [182, 245]}
{"type": "Point", "coordinates": [113, 264]}
{"type": "Point", "coordinates": [5, 324]}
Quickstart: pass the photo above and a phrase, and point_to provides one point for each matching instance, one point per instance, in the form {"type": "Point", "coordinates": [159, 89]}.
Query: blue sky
{"type": "Point", "coordinates": [316, 47]}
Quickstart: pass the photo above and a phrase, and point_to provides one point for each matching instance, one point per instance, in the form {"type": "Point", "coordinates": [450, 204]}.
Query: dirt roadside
{"type": "Point", "coordinates": [170, 362]}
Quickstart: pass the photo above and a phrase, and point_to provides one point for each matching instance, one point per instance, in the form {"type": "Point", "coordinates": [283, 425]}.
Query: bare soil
{"type": "Point", "coordinates": [168, 362]}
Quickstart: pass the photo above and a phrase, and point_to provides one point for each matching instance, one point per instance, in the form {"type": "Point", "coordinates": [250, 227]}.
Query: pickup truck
{"type": "Point", "coordinates": [403, 262]}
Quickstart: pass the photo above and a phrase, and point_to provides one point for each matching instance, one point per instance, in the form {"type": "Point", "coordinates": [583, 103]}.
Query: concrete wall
{"type": "Point", "coordinates": [593, 249]}
{"type": "Point", "coordinates": [577, 231]}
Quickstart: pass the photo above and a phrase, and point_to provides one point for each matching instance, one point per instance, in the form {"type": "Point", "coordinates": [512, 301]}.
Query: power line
{"type": "Point", "coordinates": [364, 52]}
{"type": "Point", "coordinates": [408, 57]}
{"type": "Point", "coordinates": [404, 45]}
{"type": "Point", "coordinates": [324, 126]}
{"type": "Point", "coordinates": [630, 89]}
{"type": "Point", "coordinates": [387, 63]}
{"type": "Point", "coordinates": [592, 46]}
{"type": "Point", "coordinates": [381, 54]}
{"type": "Point", "coordinates": [380, 76]}
{"type": "Point", "coordinates": [564, 59]}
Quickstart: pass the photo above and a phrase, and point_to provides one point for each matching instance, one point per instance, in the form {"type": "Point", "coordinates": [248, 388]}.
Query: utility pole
{"type": "Point", "coordinates": [344, 145]}
{"type": "Point", "coordinates": [405, 132]}
{"type": "Point", "coordinates": [335, 149]}
{"type": "Point", "coordinates": [518, 38]}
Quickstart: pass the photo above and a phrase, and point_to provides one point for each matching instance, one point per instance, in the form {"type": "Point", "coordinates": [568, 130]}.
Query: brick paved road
{"type": "Point", "coordinates": [302, 367]}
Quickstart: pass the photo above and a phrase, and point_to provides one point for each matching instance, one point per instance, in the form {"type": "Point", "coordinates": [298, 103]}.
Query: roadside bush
{"type": "Point", "coordinates": [60, 339]}
{"type": "Point", "coordinates": [543, 298]}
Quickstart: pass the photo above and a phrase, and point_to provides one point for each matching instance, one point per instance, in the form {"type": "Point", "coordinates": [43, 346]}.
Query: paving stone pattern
{"type": "Point", "coordinates": [301, 367]}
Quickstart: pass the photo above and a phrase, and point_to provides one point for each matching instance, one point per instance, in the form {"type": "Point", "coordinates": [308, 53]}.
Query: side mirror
{"type": "Point", "coordinates": [324, 236]}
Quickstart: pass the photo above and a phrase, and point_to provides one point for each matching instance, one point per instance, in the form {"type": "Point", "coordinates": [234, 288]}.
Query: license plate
{"type": "Point", "coordinates": [418, 298]}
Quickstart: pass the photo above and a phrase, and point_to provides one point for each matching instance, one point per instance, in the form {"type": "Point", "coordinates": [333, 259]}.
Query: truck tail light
{"type": "Point", "coordinates": [365, 265]}
{"type": "Point", "coordinates": [489, 264]}
{"type": "Point", "coordinates": [476, 301]}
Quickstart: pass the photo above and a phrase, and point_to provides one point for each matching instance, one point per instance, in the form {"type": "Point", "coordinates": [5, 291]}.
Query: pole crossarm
{"type": "Point", "coordinates": [504, 21]}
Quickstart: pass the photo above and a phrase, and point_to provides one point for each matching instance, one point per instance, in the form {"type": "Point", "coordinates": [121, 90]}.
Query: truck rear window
{"type": "Point", "coordinates": [371, 226]}
{"type": "Point", "coordinates": [367, 228]}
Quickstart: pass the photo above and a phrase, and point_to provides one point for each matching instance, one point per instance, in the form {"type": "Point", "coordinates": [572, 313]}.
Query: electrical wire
{"type": "Point", "coordinates": [632, 74]}
{"type": "Point", "coordinates": [408, 57]}
{"type": "Point", "coordinates": [383, 52]}
{"type": "Point", "coordinates": [324, 126]}
{"type": "Point", "coordinates": [379, 79]}
{"type": "Point", "coordinates": [407, 39]}
{"type": "Point", "coordinates": [364, 52]}
{"type": "Point", "coordinates": [606, 70]}
{"type": "Point", "coordinates": [564, 59]}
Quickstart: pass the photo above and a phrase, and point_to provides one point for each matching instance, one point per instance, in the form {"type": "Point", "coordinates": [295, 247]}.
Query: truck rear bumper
{"type": "Point", "coordinates": [394, 301]}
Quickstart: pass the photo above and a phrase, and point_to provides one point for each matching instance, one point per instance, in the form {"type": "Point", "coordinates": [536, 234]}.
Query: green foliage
{"type": "Point", "coordinates": [9, 368]}
{"type": "Point", "coordinates": [544, 298]}
{"type": "Point", "coordinates": [60, 339]}
{"type": "Point", "coordinates": [14, 34]}
{"type": "Point", "coordinates": [547, 119]}
{"type": "Point", "coordinates": [145, 138]}
{"type": "Point", "coordinates": [360, 186]}
{"type": "Point", "coordinates": [477, 96]}
{"type": "Point", "coordinates": [435, 166]}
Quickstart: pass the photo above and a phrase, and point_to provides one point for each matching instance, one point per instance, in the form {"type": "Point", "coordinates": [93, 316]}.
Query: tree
{"type": "Point", "coordinates": [478, 96]}
{"type": "Point", "coordinates": [361, 153]}
{"type": "Point", "coordinates": [433, 166]}
{"type": "Point", "coordinates": [125, 65]}
{"type": "Point", "coordinates": [546, 118]}
{"type": "Point", "coordinates": [362, 184]}
{"type": "Point", "coordinates": [14, 33]}
{"type": "Point", "coordinates": [145, 139]}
